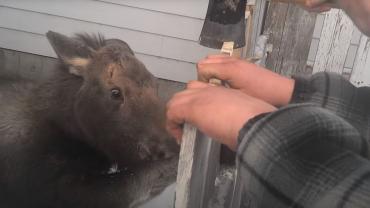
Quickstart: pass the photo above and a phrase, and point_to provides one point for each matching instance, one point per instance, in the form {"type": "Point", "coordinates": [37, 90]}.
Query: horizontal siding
{"type": "Point", "coordinates": [164, 36]}
{"type": "Point", "coordinates": [168, 69]}
{"type": "Point", "coordinates": [116, 15]}
{"type": "Point", "coordinates": [147, 43]}
{"type": "Point", "coordinates": [38, 44]}
{"type": "Point", "coordinates": [25, 42]}
{"type": "Point", "coordinates": [188, 8]}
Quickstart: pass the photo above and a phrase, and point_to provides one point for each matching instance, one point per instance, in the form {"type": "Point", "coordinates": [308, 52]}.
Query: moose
{"type": "Point", "coordinates": [92, 135]}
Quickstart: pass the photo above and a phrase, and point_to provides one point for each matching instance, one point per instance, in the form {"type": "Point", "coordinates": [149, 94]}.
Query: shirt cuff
{"type": "Point", "coordinates": [249, 125]}
{"type": "Point", "coordinates": [302, 90]}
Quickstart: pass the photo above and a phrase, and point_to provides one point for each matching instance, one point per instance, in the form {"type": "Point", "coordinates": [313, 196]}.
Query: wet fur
{"type": "Point", "coordinates": [54, 153]}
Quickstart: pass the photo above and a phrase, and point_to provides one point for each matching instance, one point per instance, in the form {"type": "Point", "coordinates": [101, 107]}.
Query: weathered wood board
{"type": "Point", "coordinates": [198, 168]}
{"type": "Point", "coordinates": [290, 30]}
{"type": "Point", "coordinates": [361, 71]}
{"type": "Point", "coordinates": [258, 16]}
{"type": "Point", "coordinates": [334, 42]}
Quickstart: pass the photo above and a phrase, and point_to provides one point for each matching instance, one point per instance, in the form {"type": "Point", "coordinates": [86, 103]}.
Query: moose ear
{"type": "Point", "coordinates": [73, 53]}
{"type": "Point", "coordinates": [121, 44]}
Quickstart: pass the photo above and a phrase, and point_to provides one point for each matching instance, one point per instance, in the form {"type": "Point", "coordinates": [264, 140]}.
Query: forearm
{"type": "Point", "coordinates": [359, 11]}
{"type": "Point", "coordinates": [247, 77]}
{"type": "Point", "coordinates": [333, 92]}
{"type": "Point", "coordinates": [269, 86]}
{"type": "Point", "coordinates": [281, 89]}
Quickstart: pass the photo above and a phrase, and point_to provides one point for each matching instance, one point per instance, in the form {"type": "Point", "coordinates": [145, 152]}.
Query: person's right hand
{"type": "Point", "coordinates": [216, 111]}
{"type": "Point", "coordinates": [357, 10]}
{"type": "Point", "coordinates": [320, 5]}
{"type": "Point", "coordinates": [247, 77]}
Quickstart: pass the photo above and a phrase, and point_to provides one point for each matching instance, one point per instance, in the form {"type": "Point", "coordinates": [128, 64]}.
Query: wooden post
{"type": "Point", "coordinates": [257, 16]}
{"type": "Point", "coordinates": [198, 165]}
{"type": "Point", "coordinates": [361, 73]}
{"type": "Point", "coordinates": [290, 30]}
{"type": "Point", "coordinates": [334, 43]}
{"type": "Point", "coordinates": [199, 154]}
{"type": "Point", "coordinates": [199, 161]}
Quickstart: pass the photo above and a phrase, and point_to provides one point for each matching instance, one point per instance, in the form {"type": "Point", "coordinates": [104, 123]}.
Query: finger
{"type": "Point", "coordinates": [209, 71]}
{"type": "Point", "coordinates": [215, 56]}
{"type": "Point", "coordinates": [218, 56]}
{"type": "Point", "coordinates": [181, 95]}
{"type": "Point", "coordinates": [175, 119]}
{"type": "Point", "coordinates": [217, 60]}
{"type": "Point", "coordinates": [178, 113]}
{"type": "Point", "coordinates": [178, 106]}
{"type": "Point", "coordinates": [175, 131]}
{"type": "Point", "coordinates": [314, 3]}
{"type": "Point", "coordinates": [196, 85]}
{"type": "Point", "coordinates": [320, 9]}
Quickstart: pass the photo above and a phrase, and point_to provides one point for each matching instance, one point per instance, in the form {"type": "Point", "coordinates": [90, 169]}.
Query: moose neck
{"type": "Point", "coordinates": [53, 102]}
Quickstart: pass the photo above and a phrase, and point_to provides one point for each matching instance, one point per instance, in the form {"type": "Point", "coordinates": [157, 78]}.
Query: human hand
{"type": "Point", "coordinates": [320, 5]}
{"type": "Point", "coordinates": [249, 78]}
{"type": "Point", "coordinates": [216, 111]}
{"type": "Point", "coordinates": [357, 10]}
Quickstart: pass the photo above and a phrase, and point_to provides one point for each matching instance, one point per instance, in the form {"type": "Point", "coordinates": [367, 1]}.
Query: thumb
{"type": "Point", "coordinates": [196, 85]}
{"type": "Point", "coordinates": [319, 9]}
{"type": "Point", "coordinates": [314, 3]}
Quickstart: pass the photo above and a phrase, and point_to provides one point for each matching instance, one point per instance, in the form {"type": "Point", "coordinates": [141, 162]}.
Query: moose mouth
{"type": "Point", "coordinates": [154, 152]}
{"type": "Point", "coordinates": [146, 154]}
{"type": "Point", "coordinates": [126, 160]}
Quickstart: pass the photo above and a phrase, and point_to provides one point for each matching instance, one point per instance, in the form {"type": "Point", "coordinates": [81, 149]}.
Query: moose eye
{"type": "Point", "coordinates": [116, 93]}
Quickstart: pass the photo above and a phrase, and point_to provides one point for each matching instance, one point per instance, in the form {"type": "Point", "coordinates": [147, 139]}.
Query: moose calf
{"type": "Point", "coordinates": [91, 136]}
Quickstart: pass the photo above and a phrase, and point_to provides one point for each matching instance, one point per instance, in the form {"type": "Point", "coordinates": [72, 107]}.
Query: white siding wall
{"type": "Point", "coordinates": [338, 46]}
{"type": "Point", "coordinates": [163, 33]}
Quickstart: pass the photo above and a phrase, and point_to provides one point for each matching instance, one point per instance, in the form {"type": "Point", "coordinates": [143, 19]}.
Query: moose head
{"type": "Point", "coordinates": [115, 106]}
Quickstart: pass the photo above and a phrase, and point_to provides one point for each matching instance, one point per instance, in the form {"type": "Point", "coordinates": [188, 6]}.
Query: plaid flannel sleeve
{"type": "Point", "coordinates": [303, 156]}
{"type": "Point", "coordinates": [312, 153]}
{"type": "Point", "coordinates": [333, 92]}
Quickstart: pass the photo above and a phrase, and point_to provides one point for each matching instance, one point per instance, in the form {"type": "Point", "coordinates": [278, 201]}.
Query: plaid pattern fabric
{"type": "Point", "coordinates": [312, 153]}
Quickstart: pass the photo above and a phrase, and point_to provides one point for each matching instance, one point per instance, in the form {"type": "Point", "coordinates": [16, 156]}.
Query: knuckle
{"type": "Point", "coordinates": [191, 84]}
{"type": "Point", "coordinates": [169, 104]}
{"type": "Point", "coordinates": [200, 67]}
{"type": "Point", "coordinates": [168, 115]}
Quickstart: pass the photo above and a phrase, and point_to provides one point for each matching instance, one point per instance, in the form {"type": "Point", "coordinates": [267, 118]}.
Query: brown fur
{"type": "Point", "coordinates": [59, 139]}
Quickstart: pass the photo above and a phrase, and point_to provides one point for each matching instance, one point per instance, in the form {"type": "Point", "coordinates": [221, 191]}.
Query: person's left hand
{"type": "Point", "coordinates": [216, 111]}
